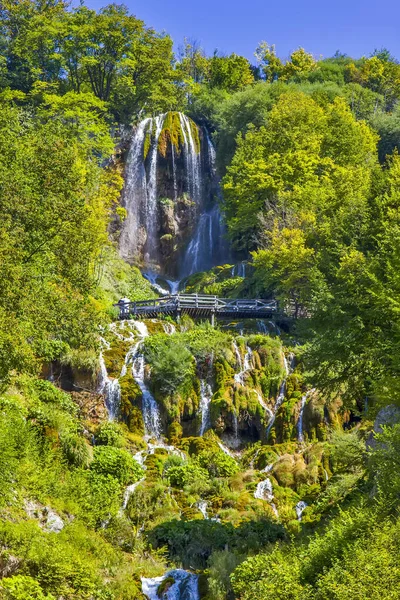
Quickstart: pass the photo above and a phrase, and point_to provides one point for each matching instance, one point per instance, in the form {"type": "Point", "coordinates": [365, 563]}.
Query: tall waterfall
{"type": "Point", "coordinates": [171, 191]}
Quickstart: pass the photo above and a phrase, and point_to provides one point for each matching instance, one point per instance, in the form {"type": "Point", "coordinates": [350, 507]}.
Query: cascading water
{"type": "Point", "coordinates": [150, 410]}
{"type": "Point", "coordinates": [111, 389]}
{"type": "Point", "coordinates": [206, 394]}
{"type": "Point", "coordinates": [135, 193]}
{"type": "Point", "coordinates": [264, 491]}
{"type": "Point", "coordinates": [185, 586]}
{"type": "Point", "coordinates": [300, 508]}
{"type": "Point", "coordinates": [246, 366]}
{"type": "Point", "coordinates": [152, 197]}
{"type": "Point", "coordinates": [282, 391]}
{"type": "Point", "coordinates": [205, 401]}
{"type": "Point", "coordinates": [300, 435]}
{"type": "Point", "coordinates": [156, 178]}
{"type": "Point", "coordinates": [206, 248]}
{"type": "Point", "coordinates": [192, 158]}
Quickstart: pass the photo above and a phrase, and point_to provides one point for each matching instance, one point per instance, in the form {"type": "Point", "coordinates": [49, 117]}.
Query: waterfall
{"type": "Point", "coordinates": [262, 328]}
{"type": "Point", "coordinates": [192, 159]}
{"type": "Point", "coordinates": [225, 450]}
{"type": "Point", "coordinates": [111, 389]}
{"type": "Point", "coordinates": [300, 508]}
{"type": "Point", "coordinates": [150, 409]}
{"type": "Point", "coordinates": [152, 278]}
{"type": "Point", "coordinates": [282, 391]}
{"type": "Point", "coordinates": [202, 506]}
{"type": "Point", "coordinates": [246, 366]}
{"type": "Point", "coordinates": [205, 401]}
{"type": "Point", "coordinates": [264, 490]}
{"type": "Point", "coordinates": [185, 586]}
{"type": "Point", "coordinates": [135, 192]}
{"type": "Point", "coordinates": [169, 328]}
{"type": "Point", "coordinates": [207, 247]}
{"type": "Point", "coordinates": [129, 492]}
{"type": "Point", "coordinates": [206, 395]}
{"type": "Point", "coordinates": [151, 205]}
{"type": "Point", "coordinates": [300, 435]}
{"type": "Point", "coordinates": [263, 404]}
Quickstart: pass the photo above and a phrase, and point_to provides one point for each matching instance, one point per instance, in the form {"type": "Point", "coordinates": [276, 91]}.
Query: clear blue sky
{"type": "Point", "coordinates": [355, 27]}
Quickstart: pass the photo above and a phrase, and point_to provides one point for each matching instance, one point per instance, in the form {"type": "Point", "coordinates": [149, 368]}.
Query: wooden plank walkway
{"type": "Point", "coordinates": [199, 306]}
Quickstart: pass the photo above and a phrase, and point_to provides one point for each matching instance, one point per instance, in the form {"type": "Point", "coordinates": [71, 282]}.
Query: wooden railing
{"type": "Point", "coordinates": [198, 305]}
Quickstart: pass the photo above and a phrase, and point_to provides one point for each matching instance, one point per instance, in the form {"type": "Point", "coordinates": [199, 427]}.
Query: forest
{"type": "Point", "coordinates": [165, 457]}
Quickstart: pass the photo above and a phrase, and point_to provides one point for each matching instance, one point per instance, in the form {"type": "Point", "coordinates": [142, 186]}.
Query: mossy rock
{"type": "Point", "coordinates": [114, 358]}
{"type": "Point", "coordinates": [175, 433]}
{"type": "Point", "coordinates": [130, 407]}
{"type": "Point", "coordinates": [164, 586]}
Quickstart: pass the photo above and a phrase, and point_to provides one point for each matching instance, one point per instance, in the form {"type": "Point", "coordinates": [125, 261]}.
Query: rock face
{"type": "Point", "coordinates": [49, 520]}
{"type": "Point", "coordinates": [389, 415]}
{"type": "Point", "coordinates": [170, 197]}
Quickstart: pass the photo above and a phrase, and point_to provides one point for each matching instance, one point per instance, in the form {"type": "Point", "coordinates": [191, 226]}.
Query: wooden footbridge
{"type": "Point", "coordinates": [198, 306]}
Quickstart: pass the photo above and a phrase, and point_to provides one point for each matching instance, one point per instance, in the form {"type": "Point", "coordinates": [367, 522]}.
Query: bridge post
{"type": "Point", "coordinates": [213, 318]}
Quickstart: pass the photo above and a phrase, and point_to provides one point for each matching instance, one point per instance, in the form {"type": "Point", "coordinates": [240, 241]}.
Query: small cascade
{"type": "Point", "coordinates": [262, 328]}
{"type": "Point", "coordinates": [300, 435]}
{"type": "Point", "coordinates": [235, 424]}
{"type": "Point", "coordinates": [207, 247]}
{"type": "Point", "coordinates": [225, 449]}
{"type": "Point", "coordinates": [202, 506]}
{"type": "Point", "coordinates": [152, 278]}
{"type": "Point", "coordinates": [275, 326]}
{"type": "Point", "coordinates": [173, 286]}
{"type": "Point", "coordinates": [205, 401]}
{"type": "Point", "coordinates": [185, 586]}
{"type": "Point", "coordinates": [265, 492]}
{"type": "Point", "coordinates": [111, 389]}
{"type": "Point", "coordinates": [282, 391]}
{"type": "Point", "coordinates": [169, 328]}
{"type": "Point", "coordinates": [239, 270]}
{"type": "Point", "coordinates": [150, 409]}
{"type": "Point", "coordinates": [300, 508]}
{"type": "Point", "coordinates": [129, 492]}
{"type": "Point", "coordinates": [263, 404]}
{"type": "Point", "coordinates": [206, 395]}
{"type": "Point", "coordinates": [246, 366]}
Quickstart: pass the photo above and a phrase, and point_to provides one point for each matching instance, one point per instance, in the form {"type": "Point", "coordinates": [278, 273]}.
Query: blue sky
{"type": "Point", "coordinates": [355, 27]}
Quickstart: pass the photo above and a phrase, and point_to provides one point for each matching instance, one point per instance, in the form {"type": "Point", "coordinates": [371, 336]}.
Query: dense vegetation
{"type": "Point", "coordinates": [307, 152]}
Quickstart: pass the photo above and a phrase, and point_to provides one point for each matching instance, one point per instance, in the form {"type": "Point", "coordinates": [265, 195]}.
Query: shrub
{"type": "Point", "coordinates": [116, 462]}
{"type": "Point", "coordinates": [109, 434]}
{"type": "Point", "coordinates": [217, 463]}
{"type": "Point", "coordinates": [21, 587]}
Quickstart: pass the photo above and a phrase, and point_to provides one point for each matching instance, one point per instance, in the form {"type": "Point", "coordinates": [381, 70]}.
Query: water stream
{"type": "Point", "coordinates": [282, 391]}
{"type": "Point", "coordinates": [184, 587]}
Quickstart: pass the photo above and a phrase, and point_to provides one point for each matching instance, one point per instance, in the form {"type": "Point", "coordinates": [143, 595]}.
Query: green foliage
{"type": "Point", "coordinates": [171, 362]}
{"type": "Point", "coordinates": [108, 460]}
{"type": "Point", "coordinates": [21, 587]}
{"type": "Point", "coordinates": [218, 464]}
{"type": "Point", "coordinates": [109, 434]}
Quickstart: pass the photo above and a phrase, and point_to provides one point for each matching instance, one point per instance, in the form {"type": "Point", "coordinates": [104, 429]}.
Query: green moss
{"type": "Point", "coordinates": [147, 140]}
{"type": "Point", "coordinates": [131, 397]}
{"type": "Point", "coordinates": [195, 136]}
{"type": "Point", "coordinates": [171, 134]}
{"type": "Point", "coordinates": [164, 586]}
{"type": "Point", "coordinates": [114, 358]}
{"type": "Point", "coordinates": [175, 432]}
